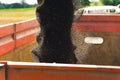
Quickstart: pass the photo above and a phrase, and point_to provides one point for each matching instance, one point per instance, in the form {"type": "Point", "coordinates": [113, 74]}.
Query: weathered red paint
{"type": "Point", "coordinates": [100, 18]}
{"type": "Point", "coordinates": [16, 40]}
{"type": "Point", "coordinates": [22, 26]}
{"type": "Point", "coordinates": [6, 30]}
{"type": "Point", "coordinates": [2, 72]}
{"type": "Point", "coordinates": [5, 48]}
{"type": "Point", "coordinates": [89, 23]}
{"type": "Point", "coordinates": [25, 40]}
{"type": "Point", "coordinates": [47, 71]}
{"type": "Point", "coordinates": [97, 26]}
{"type": "Point", "coordinates": [98, 23]}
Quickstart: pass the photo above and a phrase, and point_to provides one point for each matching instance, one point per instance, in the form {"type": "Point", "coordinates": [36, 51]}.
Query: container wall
{"type": "Point", "coordinates": [17, 40]}
{"type": "Point", "coordinates": [97, 39]}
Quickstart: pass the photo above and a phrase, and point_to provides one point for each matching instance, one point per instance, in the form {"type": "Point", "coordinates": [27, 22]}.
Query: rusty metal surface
{"type": "Point", "coordinates": [105, 26]}
{"type": "Point", "coordinates": [89, 23]}
{"type": "Point", "coordinates": [21, 54]}
{"type": "Point", "coordinates": [17, 35]}
{"type": "Point", "coordinates": [2, 72]}
{"type": "Point", "coordinates": [43, 71]}
{"type": "Point", "coordinates": [98, 23]}
{"type": "Point", "coordinates": [106, 53]}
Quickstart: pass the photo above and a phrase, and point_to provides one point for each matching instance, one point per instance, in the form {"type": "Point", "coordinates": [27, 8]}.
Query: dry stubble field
{"type": "Point", "coordinates": [15, 15]}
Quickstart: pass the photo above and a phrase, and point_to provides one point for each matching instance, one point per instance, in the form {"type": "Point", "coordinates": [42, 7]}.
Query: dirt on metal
{"type": "Point", "coordinates": [22, 54]}
{"type": "Point", "coordinates": [107, 53]}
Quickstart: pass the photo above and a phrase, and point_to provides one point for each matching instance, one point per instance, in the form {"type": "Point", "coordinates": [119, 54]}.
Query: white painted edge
{"type": "Point", "coordinates": [61, 65]}
{"type": "Point", "coordinates": [1, 65]}
{"type": "Point", "coordinates": [25, 21]}
{"type": "Point", "coordinates": [4, 25]}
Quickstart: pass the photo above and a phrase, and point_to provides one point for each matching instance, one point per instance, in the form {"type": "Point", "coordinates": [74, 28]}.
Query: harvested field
{"type": "Point", "coordinates": [15, 15]}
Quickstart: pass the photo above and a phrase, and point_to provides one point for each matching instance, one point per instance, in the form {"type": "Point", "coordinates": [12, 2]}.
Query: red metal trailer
{"type": "Point", "coordinates": [53, 71]}
{"type": "Point", "coordinates": [104, 25]}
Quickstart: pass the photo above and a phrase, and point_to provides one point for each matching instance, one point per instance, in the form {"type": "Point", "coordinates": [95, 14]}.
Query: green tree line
{"type": "Point", "coordinates": [110, 2]}
{"type": "Point", "coordinates": [83, 3]}
{"type": "Point", "coordinates": [78, 4]}
{"type": "Point", "coordinates": [15, 5]}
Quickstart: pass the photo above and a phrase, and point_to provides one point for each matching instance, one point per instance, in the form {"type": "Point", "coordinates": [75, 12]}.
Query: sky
{"type": "Point", "coordinates": [14, 1]}
{"type": "Point", "coordinates": [94, 0]}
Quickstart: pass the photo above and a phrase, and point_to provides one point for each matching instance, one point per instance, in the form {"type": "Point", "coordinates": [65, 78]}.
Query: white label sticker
{"type": "Point", "coordinates": [94, 40]}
